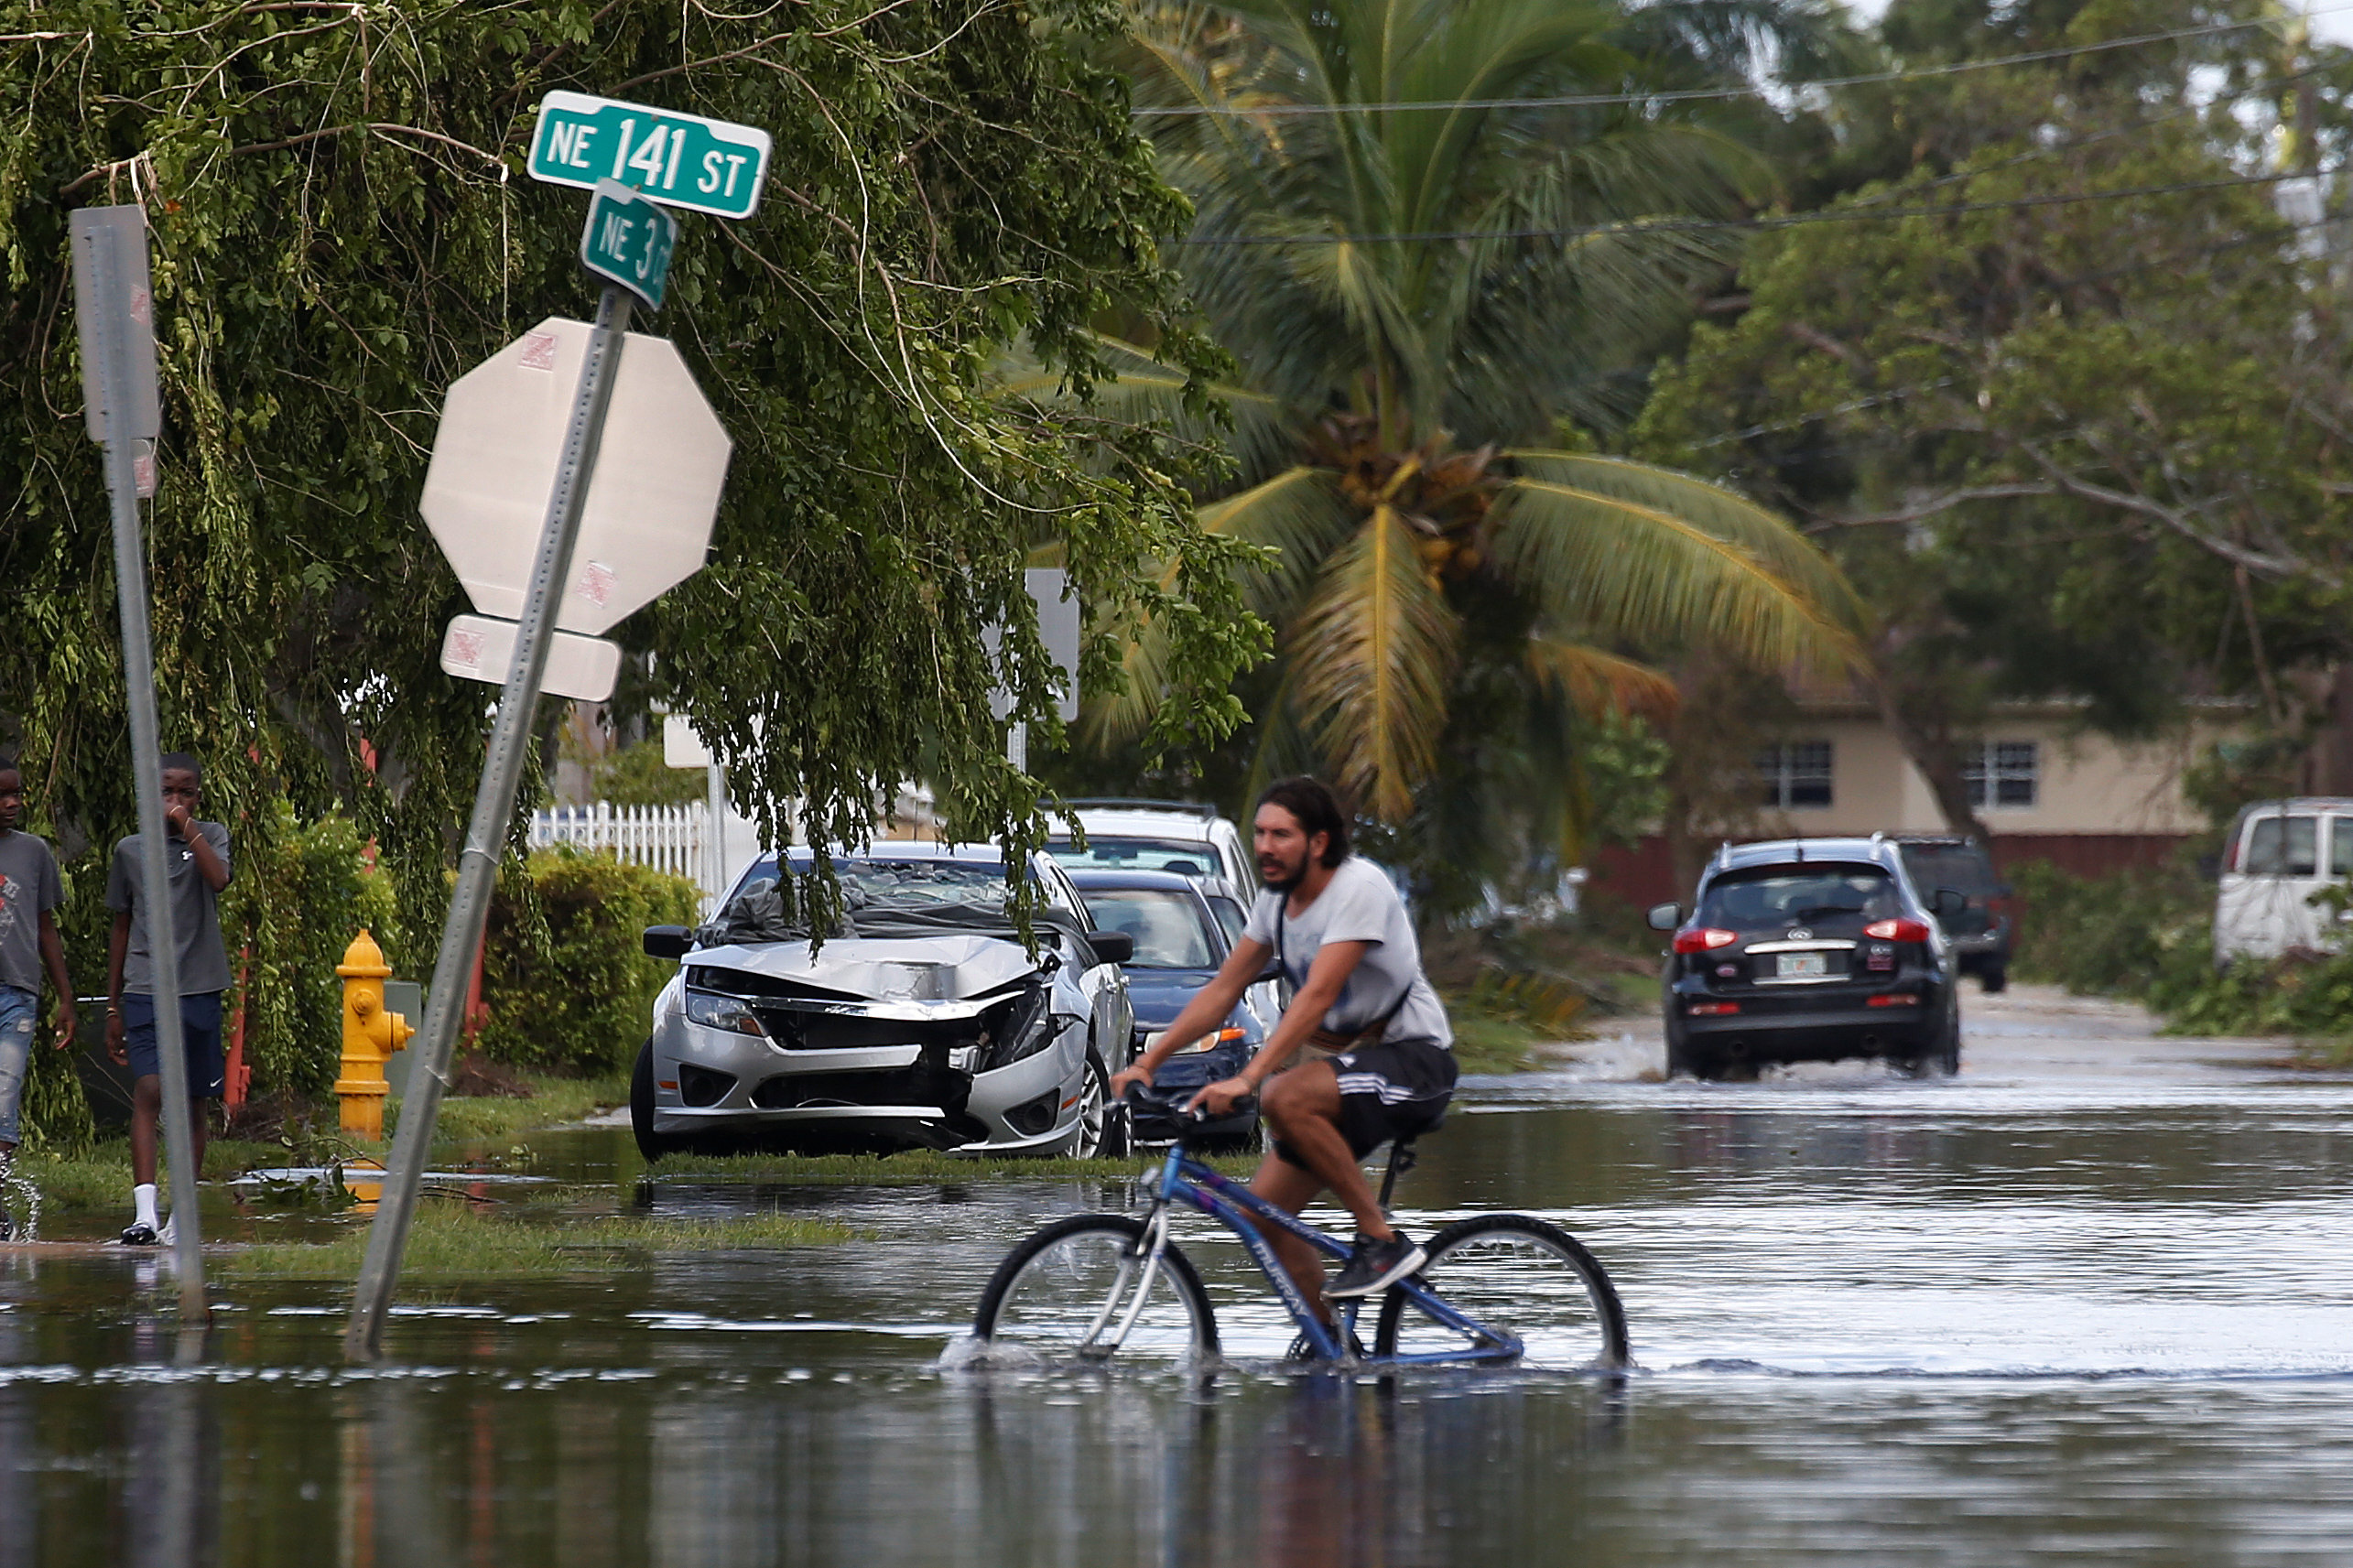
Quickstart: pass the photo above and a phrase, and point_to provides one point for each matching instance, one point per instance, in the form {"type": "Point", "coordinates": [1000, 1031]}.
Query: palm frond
{"type": "Point", "coordinates": [1592, 682]}
{"type": "Point", "coordinates": [1110, 721]}
{"type": "Point", "coordinates": [1660, 558]}
{"type": "Point", "coordinates": [1374, 656]}
{"type": "Point", "coordinates": [1300, 518]}
{"type": "Point", "coordinates": [1284, 746]}
{"type": "Point", "coordinates": [1141, 389]}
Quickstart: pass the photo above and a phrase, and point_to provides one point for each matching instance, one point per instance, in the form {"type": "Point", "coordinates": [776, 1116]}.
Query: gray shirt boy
{"type": "Point", "coordinates": [1358, 905]}
{"type": "Point", "coordinates": [29, 884]}
{"type": "Point", "coordinates": [195, 913]}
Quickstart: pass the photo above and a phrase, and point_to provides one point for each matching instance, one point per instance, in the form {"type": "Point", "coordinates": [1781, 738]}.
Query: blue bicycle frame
{"type": "Point", "coordinates": [1183, 1179]}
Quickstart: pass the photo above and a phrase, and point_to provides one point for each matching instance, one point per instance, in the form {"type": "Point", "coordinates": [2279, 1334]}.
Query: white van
{"type": "Point", "coordinates": [2279, 854]}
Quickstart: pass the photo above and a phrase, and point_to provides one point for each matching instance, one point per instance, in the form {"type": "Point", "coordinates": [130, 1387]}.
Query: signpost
{"type": "Point", "coordinates": [627, 476]}
{"type": "Point", "coordinates": [680, 160]}
{"type": "Point", "coordinates": [1057, 628]}
{"type": "Point", "coordinates": [682, 748]}
{"type": "Point", "coordinates": [628, 241]}
{"type": "Point", "coordinates": [115, 307]}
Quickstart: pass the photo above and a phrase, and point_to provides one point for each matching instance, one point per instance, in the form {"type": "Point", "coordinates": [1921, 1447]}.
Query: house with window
{"type": "Point", "coordinates": [2046, 787]}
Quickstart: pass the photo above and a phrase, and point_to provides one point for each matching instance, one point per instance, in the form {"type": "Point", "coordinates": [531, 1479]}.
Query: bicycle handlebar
{"type": "Point", "coordinates": [1133, 1099]}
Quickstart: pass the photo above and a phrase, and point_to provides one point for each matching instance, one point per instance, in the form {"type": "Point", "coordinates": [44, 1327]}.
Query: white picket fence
{"type": "Point", "coordinates": [676, 838]}
{"type": "Point", "coordinates": [673, 838]}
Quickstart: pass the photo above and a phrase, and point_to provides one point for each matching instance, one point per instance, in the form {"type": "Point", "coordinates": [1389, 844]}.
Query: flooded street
{"type": "Point", "coordinates": [2090, 1301]}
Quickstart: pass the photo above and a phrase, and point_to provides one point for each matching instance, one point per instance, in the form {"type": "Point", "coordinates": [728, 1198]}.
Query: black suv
{"type": "Point", "coordinates": [1980, 932]}
{"type": "Point", "coordinates": [1810, 950]}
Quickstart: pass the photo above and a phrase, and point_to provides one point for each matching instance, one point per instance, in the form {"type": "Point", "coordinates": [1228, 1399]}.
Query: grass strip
{"type": "Point", "coordinates": [912, 1167]}
{"type": "Point", "coordinates": [455, 1241]}
{"type": "Point", "coordinates": [553, 1103]}
{"type": "Point", "coordinates": [1485, 1043]}
{"type": "Point", "coordinates": [100, 1177]}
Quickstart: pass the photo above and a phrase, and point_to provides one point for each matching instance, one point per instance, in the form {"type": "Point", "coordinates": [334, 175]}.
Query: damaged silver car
{"type": "Point", "coordinates": [921, 1020]}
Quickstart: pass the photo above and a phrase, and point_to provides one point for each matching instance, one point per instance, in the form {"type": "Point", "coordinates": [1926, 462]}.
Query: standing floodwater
{"type": "Point", "coordinates": [2093, 1300]}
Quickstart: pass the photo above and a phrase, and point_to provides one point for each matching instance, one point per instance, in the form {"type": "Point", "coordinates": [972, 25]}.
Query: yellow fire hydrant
{"type": "Point", "coordinates": [370, 1034]}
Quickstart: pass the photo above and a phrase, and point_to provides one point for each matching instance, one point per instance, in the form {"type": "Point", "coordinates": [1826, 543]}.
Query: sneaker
{"type": "Point", "coordinates": [1302, 1351]}
{"type": "Point", "coordinates": [138, 1235]}
{"type": "Point", "coordinates": [1376, 1266]}
{"type": "Point", "coordinates": [168, 1237]}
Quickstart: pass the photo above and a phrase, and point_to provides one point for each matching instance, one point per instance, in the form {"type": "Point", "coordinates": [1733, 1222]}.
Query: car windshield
{"type": "Point", "coordinates": [878, 897]}
{"type": "Point", "coordinates": [1964, 868]}
{"type": "Point", "coordinates": [1168, 926]}
{"type": "Point", "coordinates": [1196, 859]}
{"type": "Point", "coordinates": [1798, 895]}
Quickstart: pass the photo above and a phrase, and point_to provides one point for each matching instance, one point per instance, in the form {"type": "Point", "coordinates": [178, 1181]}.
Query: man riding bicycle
{"type": "Point", "coordinates": [1378, 1063]}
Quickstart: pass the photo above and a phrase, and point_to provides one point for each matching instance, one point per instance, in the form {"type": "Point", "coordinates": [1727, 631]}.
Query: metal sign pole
{"type": "Point", "coordinates": [494, 805]}
{"type": "Point", "coordinates": [104, 329]}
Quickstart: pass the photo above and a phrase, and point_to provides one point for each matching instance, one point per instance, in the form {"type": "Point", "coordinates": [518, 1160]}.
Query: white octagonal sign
{"type": "Point", "coordinates": [647, 524]}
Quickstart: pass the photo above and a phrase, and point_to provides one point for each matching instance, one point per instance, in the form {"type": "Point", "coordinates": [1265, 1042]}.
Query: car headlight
{"type": "Point", "coordinates": [730, 1014]}
{"type": "Point", "coordinates": [1210, 1041]}
{"type": "Point", "coordinates": [1020, 1026]}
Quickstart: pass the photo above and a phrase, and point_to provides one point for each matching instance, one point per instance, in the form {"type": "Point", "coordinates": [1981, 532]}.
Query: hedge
{"type": "Point", "coordinates": [566, 982]}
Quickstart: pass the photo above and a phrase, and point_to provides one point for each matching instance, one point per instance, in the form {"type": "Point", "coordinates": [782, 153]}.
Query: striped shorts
{"type": "Point", "coordinates": [1395, 1089]}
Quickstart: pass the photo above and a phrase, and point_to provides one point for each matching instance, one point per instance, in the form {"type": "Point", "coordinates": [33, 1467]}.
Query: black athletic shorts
{"type": "Point", "coordinates": [1398, 1088]}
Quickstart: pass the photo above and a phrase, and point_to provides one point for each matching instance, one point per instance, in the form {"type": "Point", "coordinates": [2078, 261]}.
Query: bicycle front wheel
{"type": "Point", "coordinates": [1084, 1288]}
{"type": "Point", "coordinates": [1511, 1274]}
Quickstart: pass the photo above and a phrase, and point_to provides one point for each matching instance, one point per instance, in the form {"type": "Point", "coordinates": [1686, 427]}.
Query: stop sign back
{"type": "Point", "coordinates": [645, 524]}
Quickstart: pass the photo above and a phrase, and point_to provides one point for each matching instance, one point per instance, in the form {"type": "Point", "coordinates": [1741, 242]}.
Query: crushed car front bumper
{"type": "Point", "coordinates": [891, 1074]}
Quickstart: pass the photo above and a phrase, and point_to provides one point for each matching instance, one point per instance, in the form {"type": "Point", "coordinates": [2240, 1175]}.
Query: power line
{"type": "Point", "coordinates": [1698, 94]}
{"type": "Point", "coordinates": [1793, 220]}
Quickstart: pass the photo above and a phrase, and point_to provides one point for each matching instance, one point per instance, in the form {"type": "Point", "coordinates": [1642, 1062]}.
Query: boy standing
{"type": "Point", "coordinates": [29, 890]}
{"type": "Point", "coordinates": [196, 858]}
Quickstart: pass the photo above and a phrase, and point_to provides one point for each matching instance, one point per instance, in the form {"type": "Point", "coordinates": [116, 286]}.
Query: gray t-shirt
{"type": "Point", "coordinates": [1358, 905]}
{"type": "Point", "coordinates": [29, 884]}
{"type": "Point", "coordinates": [195, 913]}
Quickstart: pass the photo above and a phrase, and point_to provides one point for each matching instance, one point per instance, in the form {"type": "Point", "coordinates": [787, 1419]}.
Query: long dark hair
{"type": "Point", "coordinates": [1312, 802]}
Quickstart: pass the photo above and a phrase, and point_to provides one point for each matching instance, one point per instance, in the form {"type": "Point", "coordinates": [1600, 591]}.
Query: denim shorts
{"type": "Point", "coordinates": [200, 1030]}
{"type": "Point", "coordinates": [17, 1011]}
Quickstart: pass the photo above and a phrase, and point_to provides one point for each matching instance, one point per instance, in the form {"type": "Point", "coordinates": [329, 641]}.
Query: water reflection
{"type": "Point", "coordinates": [2006, 1323]}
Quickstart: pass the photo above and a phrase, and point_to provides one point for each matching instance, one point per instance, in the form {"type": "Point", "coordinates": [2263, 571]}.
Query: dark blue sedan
{"type": "Point", "coordinates": [1179, 944]}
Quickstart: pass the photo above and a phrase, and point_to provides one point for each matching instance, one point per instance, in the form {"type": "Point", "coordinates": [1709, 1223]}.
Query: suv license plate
{"type": "Point", "coordinates": [1805, 966]}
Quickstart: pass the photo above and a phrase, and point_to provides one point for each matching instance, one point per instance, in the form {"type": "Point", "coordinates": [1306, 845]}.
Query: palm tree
{"type": "Point", "coordinates": [1412, 297]}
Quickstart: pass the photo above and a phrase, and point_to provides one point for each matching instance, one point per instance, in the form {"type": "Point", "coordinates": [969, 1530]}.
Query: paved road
{"type": "Point", "coordinates": [2028, 1033]}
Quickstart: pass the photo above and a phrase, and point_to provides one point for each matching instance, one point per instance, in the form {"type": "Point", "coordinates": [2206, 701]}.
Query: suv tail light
{"type": "Point", "coordinates": [1897, 930]}
{"type": "Point", "coordinates": [1704, 939]}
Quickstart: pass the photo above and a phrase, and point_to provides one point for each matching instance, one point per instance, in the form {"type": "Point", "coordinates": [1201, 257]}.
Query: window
{"type": "Point", "coordinates": [2001, 772]}
{"type": "Point", "coordinates": [1798, 895]}
{"type": "Point", "coordinates": [1229, 915]}
{"type": "Point", "coordinates": [1103, 853]}
{"type": "Point", "coordinates": [2340, 846]}
{"type": "Point", "coordinates": [1797, 774]}
{"type": "Point", "coordinates": [2283, 845]}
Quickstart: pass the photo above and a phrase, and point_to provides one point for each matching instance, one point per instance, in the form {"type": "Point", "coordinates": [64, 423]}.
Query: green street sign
{"type": "Point", "coordinates": [680, 160]}
{"type": "Point", "coordinates": [628, 241]}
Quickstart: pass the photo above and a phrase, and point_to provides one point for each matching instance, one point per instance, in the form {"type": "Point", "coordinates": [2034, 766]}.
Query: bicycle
{"type": "Point", "coordinates": [1498, 1289]}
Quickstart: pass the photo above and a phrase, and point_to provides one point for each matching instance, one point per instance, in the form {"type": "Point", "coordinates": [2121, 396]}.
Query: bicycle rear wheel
{"type": "Point", "coordinates": [1071, 1293]}
{"type": "Point", "coordinates": [1517, 1275]}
